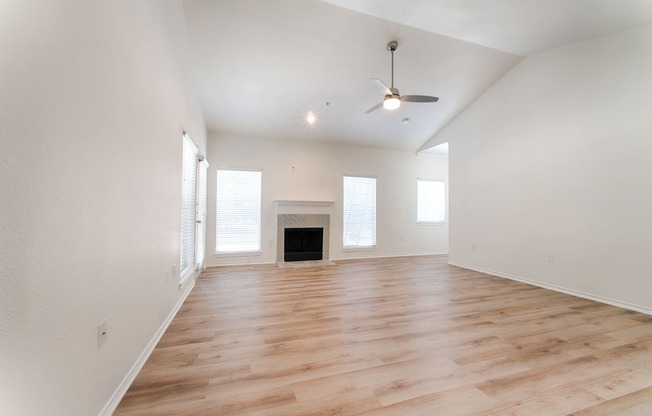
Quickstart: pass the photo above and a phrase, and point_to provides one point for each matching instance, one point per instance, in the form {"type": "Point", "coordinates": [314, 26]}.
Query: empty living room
{"type": "Point", "coordinates": [325, 207]}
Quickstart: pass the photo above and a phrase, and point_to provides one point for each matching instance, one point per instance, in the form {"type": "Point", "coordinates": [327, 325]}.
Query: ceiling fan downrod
{"type": "Point", "coordinates": [392, 46]}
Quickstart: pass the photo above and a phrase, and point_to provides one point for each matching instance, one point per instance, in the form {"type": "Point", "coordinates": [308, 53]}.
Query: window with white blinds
{"type": "Point", "coordinates": [359, 210]}
{"type": "Point", "coordinates": [431, 201]}
{"type": "Point", "coordinates": [188, 201]}
{"type": "Point", "coordinates": [238, 211]}
{"type": "Point", "coordinates": [201, 213]}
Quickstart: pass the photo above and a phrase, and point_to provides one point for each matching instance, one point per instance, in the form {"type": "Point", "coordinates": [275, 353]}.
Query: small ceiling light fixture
{"type": "Point", "coordinates": [391, 102]}
{"type": "Point", "coordinates": [311, 118]}
{"type": "Point", "coordinates": [406, 120]}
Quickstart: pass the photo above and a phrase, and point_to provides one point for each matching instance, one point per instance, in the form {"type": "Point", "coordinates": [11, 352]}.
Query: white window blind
{"type": "Point", "coordinates": [188, 202]}
{"type": "Point", "coordinates": [431, 201]}
{"type": "Point", "coordinates": [359, 199]}
{"type": "Point", "coordinates": [201, 213]}
{"type": "Point", "coordinates": [238, 211]}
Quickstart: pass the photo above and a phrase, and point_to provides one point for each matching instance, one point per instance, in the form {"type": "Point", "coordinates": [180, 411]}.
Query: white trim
{"type": "Point", "coordinates": [262, 263]}
{"type": "Point", "coordinates": [361, 176]}
{"type": "Point", "coordinates": [283, 202]}
{"type": "Point", "coordinates": [191, 263]}
{"type": "Point", "coordinates": [129, 378]}
{"type": "Point", "coordinates": [221, 254]}
{"type": "Point", "coordinates": [220, 167]}
{"type": "Point", "coordinates": [288, 207]}
{"type": "Point", "coordinates": [359, 248]}
{"type": "Point", "coordinates": [190, 276]}
{"type": "Point", "coordinates": [185, 135]}
{"type": "Point", "coordinates": [389, 256]}
{"type": "Point", "coordinates": [612, 302]}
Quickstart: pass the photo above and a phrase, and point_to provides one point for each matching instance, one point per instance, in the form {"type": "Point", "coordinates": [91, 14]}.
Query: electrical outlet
{"type": "Point", "coordinates": [167, 276]}
{"type": "Point", "coordinates": [551, 257]}
{"type": "Point", "coordinates": [473, 247]}
{"type": "Point", "coordinates": [456, 207]}
{"type": "Point", "coordinates": [402, 238]}
{"type": "Point", "coordinates": [101, 334]}
{"type": "Point", "coordinates": [174, 270]}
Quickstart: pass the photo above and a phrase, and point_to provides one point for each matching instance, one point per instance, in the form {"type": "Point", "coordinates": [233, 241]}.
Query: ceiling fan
{"type": "Point", "coordinates": [393, 99]}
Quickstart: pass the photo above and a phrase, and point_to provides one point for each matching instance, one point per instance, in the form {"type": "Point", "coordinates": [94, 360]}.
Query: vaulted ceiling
{"type": "Point", "coordinates": [261, 65]}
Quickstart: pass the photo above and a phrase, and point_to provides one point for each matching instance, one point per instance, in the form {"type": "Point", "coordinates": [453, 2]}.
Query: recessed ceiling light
{"type": "Point", "coordinates": [311, 118]}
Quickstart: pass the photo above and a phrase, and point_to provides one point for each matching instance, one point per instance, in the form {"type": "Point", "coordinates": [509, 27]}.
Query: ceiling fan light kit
{"type": "Point", "coordinates": [393, 98]}
{"type": "Point", "coordinates": [391, 102]}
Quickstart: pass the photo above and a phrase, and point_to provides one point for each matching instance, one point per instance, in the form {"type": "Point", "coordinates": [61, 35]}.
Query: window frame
{"type": "Point", "coordinates": [444, 202]}
{"type": "Point", "coordinates": [260, 213]}
{"type": "Point", "coordinates": [358, 247]}
{"type": "Point", "coordinates": [187, 267]}
{"type": "Point", "coordinates": [201, 214]}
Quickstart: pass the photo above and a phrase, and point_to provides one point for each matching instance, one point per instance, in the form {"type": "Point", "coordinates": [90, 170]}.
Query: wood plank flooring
{"type": "Point", "coordinates": [400, 336]}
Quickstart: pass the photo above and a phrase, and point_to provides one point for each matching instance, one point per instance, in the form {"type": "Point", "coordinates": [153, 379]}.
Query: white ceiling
{"type": "Point", "coordinates": [521, 27]}
{"type": "Point", "coordinates": [441, 149]}
{"type": "Point", "coordinates": [260, 65]}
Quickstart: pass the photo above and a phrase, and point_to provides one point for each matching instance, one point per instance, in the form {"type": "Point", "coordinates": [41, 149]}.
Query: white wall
{"type": "Point", "coordinates": [95, 95]}
{"type": "Point", "coordinates": [557, 158]}
{"type": "Point", "coordinates": [317, 175]}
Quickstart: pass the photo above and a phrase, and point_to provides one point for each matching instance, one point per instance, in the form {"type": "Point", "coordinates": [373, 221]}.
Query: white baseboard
{"type": "Point", "coordinates": [259, 263]}
{"type": "Point", "coordinates": [189, 277]}
{"type": "Point", "coordinates": [389, 256]}
{"type": "Point", "coordinates": [211, 266]}
{"type": "Point", "coordinates": [556, 288]}
{"type": "Point", "coordinates": [119, 393]}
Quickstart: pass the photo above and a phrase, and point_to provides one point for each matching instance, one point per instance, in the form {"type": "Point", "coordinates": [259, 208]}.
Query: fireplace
{"type": "Point", "coordinates": [303, 244]}
{"type": "Point", "coordinates": [302, 215]}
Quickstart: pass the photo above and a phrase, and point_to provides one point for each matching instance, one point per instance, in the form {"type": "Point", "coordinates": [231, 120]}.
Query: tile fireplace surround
{"type": "Point", "coordinates": [299, 214]}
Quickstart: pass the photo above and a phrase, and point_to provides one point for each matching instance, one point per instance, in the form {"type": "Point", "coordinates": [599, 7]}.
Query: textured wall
{"type": "Point", "coordinates": [309, 171]}
{"type": "Point", "coordinates": [95, 95]}
{"type": "Point", "coordinates": [551, 168]}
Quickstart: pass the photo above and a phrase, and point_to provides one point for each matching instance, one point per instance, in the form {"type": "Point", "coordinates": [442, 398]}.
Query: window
{"type": "Point", "coordinates": [188, 204]}
{"type": "Point", "coordinates": [201, 213]}
{"type": "Point", "coordinates": [238, 211]}
{"type": "Point", "coordinates": [431, 202]}
{"type": "Point", "coordinates": [359, 200]}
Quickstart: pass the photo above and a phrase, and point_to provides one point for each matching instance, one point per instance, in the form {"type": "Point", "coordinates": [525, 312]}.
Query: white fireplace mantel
{"type": "Point", "coordinates": [286, 206]}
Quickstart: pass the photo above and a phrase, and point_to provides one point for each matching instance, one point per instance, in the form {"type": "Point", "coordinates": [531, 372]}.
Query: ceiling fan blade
{"type": "Point", "coordinates": [382, 86]}
{"type": "Point", "coordinates": [374, 108]}
{"type": "Point", "coordinates": [419, 99]}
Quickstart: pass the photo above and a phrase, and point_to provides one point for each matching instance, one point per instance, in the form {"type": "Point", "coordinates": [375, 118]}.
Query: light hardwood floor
{"type": "Point", "coordinates": [401, 336]}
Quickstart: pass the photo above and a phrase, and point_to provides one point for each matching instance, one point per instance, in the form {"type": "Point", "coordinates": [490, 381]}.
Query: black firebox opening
{"type": "Point", "coordinates": [303, 244]}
